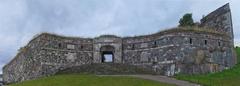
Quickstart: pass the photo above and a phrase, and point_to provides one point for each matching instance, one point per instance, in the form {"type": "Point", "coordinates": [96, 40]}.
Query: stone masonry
{"type": "Point", "coordinates": [189, 50]}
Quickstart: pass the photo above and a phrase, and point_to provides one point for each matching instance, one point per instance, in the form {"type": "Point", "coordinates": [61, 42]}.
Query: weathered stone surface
{"type": "Point", "coordinates": [1, 80]}
{"type": "Point", "coordinates": [220, 20]}
{"type": "Point", "coordinates": [189, 50]}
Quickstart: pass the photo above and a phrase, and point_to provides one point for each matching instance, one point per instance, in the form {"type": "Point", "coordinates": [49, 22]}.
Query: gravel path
{"type": "Point", "coordinates": [159, 78]}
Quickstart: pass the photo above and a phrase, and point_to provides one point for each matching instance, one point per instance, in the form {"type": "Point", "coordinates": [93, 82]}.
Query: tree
{"type": "Point", "coordinates": [186, 20]}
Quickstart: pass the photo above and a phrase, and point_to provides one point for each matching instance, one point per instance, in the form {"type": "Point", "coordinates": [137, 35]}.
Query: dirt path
{"type": "Point", "coordinates": [159, 78]}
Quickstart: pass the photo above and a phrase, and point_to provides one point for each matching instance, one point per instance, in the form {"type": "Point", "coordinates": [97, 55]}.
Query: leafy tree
{"type": "Point", "coordinates": [186, 20]}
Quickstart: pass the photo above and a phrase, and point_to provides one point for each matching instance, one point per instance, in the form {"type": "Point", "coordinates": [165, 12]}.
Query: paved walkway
{"type": "Point", "coordinates": [159, 78]}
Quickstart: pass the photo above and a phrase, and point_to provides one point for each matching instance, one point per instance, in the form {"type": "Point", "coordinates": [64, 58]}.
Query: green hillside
{"type": "Point", "coordinates": [237, 49]}
{"type": "Point", "coordinates": [89, 80]}
{"type": "Point", "coordinates": [229, 77]}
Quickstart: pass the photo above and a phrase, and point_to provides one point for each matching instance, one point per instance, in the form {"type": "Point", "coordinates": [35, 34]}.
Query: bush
{"type": "Point", "coordinates": [186, 20]}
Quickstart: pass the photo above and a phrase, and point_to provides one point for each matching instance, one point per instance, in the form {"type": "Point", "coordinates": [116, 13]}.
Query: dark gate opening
{"type": "Point", "coordinates": [107, 57]}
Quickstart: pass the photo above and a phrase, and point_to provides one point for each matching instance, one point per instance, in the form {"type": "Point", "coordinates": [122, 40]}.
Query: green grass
{"type": "Point", "coordinates": [89, 80]}
{"type": "Point", "coordinates": [237, 49]}
{"type": "Point", "coordinates": [229, 77]}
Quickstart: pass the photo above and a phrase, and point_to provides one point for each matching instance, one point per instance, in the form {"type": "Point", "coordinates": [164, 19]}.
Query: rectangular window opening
{"type": "Point", "coordinates": [133, 46]}
{"type": "Point", "coordinates": [155, 43]}
{"type": "Point", "coordinates": [190, 41]}
{"type": "Point", "coordinates": [81, 46]}
{"type": "Point", "coordinates": [205, 42]}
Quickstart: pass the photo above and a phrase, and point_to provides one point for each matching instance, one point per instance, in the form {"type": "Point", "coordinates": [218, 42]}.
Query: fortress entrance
{"type": "Point", "coordinates": [107, 48]}
{"type": "Point", "coordinates": [107, 54]}
{"type": "Point", "coordinates": [107, 57]}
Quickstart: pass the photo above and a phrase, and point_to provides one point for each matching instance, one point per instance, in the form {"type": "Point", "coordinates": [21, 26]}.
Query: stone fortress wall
{"type": "Point", "coordinates": [188, 50]}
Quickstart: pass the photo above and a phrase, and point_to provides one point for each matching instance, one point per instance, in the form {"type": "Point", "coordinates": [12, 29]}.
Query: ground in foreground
{"type": "Point", "coordinates": [90, 80]}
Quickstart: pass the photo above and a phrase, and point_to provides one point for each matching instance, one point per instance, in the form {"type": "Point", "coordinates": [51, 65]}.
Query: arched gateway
{"type": "Point", "coordinates": [107, 53]}
{"type": "Point", "coordinates": [107, 48]}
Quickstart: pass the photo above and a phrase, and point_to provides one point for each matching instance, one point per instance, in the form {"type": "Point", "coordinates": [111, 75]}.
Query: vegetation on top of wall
{"type": "Point", "coordinates": [59, 35]}
{"type": "Point", "coordinates": [202, 29]}
{"type": "Point", "coordinates": [186, 20]}
{"type": "Point", "coordinates": [108, 35]}
{"type": "Point", "coordinates": [162, 32]}
{"type": "Point", "coordinates": [194, 29]}
{"type": "Point", "coordinates": [230, 77]}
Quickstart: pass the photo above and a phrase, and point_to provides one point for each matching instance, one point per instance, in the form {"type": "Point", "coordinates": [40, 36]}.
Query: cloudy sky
{"type": "Point", "coordinates": [20, 20]}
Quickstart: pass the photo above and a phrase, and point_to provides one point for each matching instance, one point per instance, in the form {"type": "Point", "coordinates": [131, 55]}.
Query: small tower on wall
{"type": "Point", "coordinates": [220, 20]}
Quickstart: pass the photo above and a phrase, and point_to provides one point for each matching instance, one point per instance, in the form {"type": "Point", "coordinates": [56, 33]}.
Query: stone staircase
{"type": "Point", "coordinates": [107, 69]}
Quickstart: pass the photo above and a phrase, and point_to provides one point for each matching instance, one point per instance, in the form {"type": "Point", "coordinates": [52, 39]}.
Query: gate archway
{"type": "Point", "coordinates": [107, 54]}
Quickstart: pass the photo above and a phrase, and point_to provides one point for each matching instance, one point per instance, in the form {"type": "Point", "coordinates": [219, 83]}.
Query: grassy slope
{"type": "Point", "coordinates": [89, 80]}
{"type": "Point", "coordinates": [229, 77]}
{"type": "Point", "coordinates": [238, 54]}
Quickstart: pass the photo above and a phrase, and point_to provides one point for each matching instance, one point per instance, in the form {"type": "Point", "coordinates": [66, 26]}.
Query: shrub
{"type": "Point", "coordinates": [186, 20]}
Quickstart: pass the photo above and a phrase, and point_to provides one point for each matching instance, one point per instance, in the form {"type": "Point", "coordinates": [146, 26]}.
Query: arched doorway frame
{"type": "Point", "coordinates": [107, 50]}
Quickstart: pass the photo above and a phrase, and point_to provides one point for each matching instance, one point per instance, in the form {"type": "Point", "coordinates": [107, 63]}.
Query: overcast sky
{"type": "Point", "coordinates": [20, 20]}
